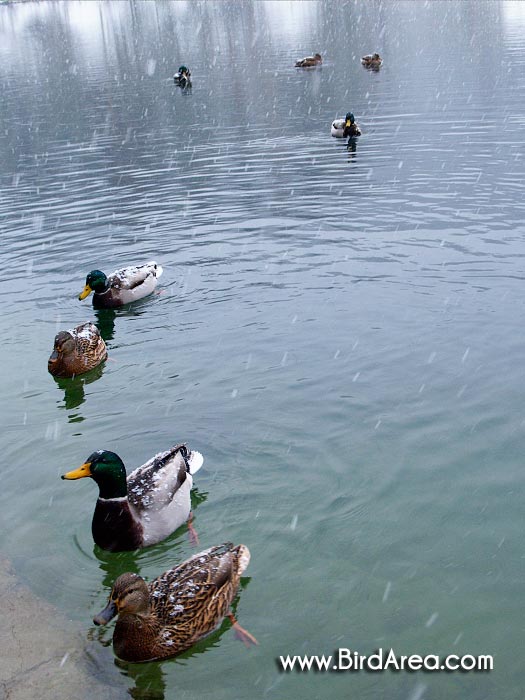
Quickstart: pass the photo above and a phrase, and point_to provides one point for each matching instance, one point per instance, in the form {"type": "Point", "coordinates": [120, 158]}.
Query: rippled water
{"type": "Point", "coordinates": [339, 332]}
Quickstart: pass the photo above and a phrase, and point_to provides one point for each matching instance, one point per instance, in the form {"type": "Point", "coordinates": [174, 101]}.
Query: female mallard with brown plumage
{"type": "Point", "coordinates": [146, 507]}
{"type": "Point", "coordinates": [123, 286]}
{"type": "Point", "coordinates": [77, 351]}
{"type": "Point", "coordinates": [309, 61]}
{"type": "Point", "coordinates": [372, 61]}
{"type": "Point", "coordinates": [178, 608]}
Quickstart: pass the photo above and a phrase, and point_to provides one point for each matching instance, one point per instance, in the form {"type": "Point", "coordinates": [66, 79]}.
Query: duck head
{"type": "Point", "coordinates": [64, 346]}
{"type": "Point", "coordinates": [129, 596]}
{"type": "Point", "coordinates": [107, 470]}
{"type": "Point", "coordinates": [96, 281]}
{"type": "Point", "coordinates": [349, 119]}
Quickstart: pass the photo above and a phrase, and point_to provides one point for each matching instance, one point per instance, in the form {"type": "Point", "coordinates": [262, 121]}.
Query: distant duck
{"type": "Point", "coordinates": [77, 351]}
{"type": "Point", "coordinates": [345, 128]}
{"type": "Point", "coordinates": [148, 505]}
{"type": "Point", "coordinates": [123, 286]}
{"type": "Point", "coordinates": [178, 608]}
{"type": "Point", "coordinates": [372, 60]}
{"type": "Point", "coordinates": [182, 77]}
{"type": "Point", "coordinates": [309, 61]}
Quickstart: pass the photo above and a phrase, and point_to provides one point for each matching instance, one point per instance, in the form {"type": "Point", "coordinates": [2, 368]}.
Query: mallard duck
{"type": "Point", "coordinates": [372, 60]}
{"type": "Point", "coordinates": [123, 286]}
{"type": "Point", "coordinates": [182, 76]}
{"type": "Point", "coordinates": [345, 127]}
{"type": "Point", "coordinates": [178, 608]}
{"type": "Point", "coordinates": [146, 507]}
{"type": "Point", "coordinates": [77, 351]}
{"type": "Point", "coordinates": [309, 61]}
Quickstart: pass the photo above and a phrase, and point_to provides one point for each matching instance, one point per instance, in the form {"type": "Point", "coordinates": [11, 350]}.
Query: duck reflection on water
{"type": "Point", "coordinates": [73, 388]}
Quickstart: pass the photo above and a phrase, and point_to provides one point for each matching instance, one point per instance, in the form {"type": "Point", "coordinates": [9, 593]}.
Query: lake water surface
{"type": "Point", "coordinates": [339, 332]}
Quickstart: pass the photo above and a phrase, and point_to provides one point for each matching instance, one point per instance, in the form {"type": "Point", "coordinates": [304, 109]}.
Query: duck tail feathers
{"type": "Point", "coordinates": [243, 554]}
{"type": "Point", "coordinates": [195, 461]}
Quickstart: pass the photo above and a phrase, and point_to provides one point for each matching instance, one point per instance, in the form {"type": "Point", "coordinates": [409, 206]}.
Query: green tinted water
{"type": "Point", "coordinates": [339, 333]}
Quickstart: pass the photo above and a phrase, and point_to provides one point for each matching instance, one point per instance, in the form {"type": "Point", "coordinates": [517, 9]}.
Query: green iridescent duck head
{"type": "Point", "coordinates": [96, 281]}
{"type": "Point", "coordinates": [107, 470]}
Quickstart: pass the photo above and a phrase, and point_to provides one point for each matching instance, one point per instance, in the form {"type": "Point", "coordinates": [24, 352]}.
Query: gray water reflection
{"type": "Point", "coordinates": [339, 331]}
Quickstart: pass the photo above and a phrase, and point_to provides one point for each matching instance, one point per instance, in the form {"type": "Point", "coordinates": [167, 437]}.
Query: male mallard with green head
{"type": "Point", "coordinates": [345, 127]}
{"type": "Point", "coordinates": [148, 505]}
{"type": "Point", "coordinates": [178, 608]}
{"type": "Point", "coordinates": [77, 351]}
{"type": "Point", "coordinates": [182, 77]}
{"type": "Point", "coordinates": [123, 286]}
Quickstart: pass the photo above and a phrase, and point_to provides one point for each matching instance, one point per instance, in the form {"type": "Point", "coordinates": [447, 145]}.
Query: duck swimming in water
{"type": "Point", "coordinates": [77, 351]}
{"type": "Point", "coordinates": [182, 77]}
{"type": "Point", "coordinates": [345, 128]}
{"type": "Point", "coordinates": [123, 286]}
{"type": "Point", "coordinates": [372, 61]}
{"type": "Point", "coordinates": [178, 608]}
{"type": "Point", "coordinates": [148, 505]}
{"type": "Point", "coordinates": [309, 61]}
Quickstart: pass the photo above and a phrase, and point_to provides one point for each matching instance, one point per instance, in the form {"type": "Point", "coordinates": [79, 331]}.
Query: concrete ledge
{"type": "Point", "coordinates": [41, 658]}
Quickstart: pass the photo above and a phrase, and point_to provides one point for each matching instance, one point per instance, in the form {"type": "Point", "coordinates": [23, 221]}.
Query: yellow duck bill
{"type": "Point", "coordinates": [83, 471]}
{"type": "Point", "coordinates": [85, 292]}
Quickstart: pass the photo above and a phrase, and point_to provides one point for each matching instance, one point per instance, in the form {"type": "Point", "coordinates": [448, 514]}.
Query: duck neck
{"type": "Point", "coordinates": [112, 485]}
{"type": "Point", "coordinates": [102, 289]}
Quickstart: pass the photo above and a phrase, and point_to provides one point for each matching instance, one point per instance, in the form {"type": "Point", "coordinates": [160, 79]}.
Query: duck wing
{"type": "Point", "coordinates": [87, 337]}
{"type": "Point", "coordinates": [200, 582]}
{"type": "Point", "coordinates": [90, 348]}
{"type": "Point", "coordinates": [135, 275]}
{"type": "Point", "coordinates": [153, 485]}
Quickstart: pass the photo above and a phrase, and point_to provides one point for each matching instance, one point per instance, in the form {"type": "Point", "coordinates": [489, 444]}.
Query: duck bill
{"type": "Point", "coordinates": [53, 358]}
{"type": "Point", "coordinates": [348, 123]}
{"type": "Point", "coordinates": [106, 615]}
{"type": "Point", "coordinates": [85, 292]}
{"type": "Point", "coordinates": [54, 364]}
{"type": "Point", "coordinates": [83, 471]}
